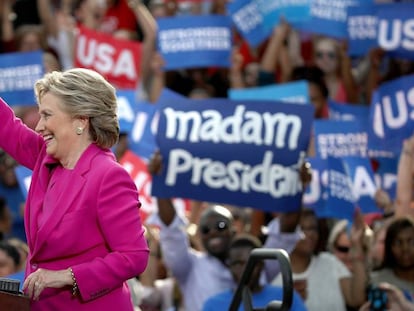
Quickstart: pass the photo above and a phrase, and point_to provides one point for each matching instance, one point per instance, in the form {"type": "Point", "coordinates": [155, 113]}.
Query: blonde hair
{"type": "Point", "coordinates": [85, 93]}
{"type": "Point", "coordinates": [341, 226]}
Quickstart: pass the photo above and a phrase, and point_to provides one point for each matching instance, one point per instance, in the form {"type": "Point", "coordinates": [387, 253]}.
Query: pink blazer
{"type": "Point", "coordinates": [94, 228]}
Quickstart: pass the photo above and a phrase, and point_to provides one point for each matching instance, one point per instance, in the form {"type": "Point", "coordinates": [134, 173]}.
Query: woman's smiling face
{"type": "Point", "coordinates": [56, 126]}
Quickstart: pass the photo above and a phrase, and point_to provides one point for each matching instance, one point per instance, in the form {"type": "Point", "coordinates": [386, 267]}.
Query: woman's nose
{"type": "Point", "coordinates": [39, 126]}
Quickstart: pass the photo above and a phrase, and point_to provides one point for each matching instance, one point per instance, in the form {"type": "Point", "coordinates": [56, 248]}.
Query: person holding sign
{"type": "Point", "coordinates": [239, 251]}
{"type": "Point", "coordinates": [396, 300]}
{"type": "Point", "coordinates": [404, 201]}
{"type": "Point", "coordinates": [329, 285]}
{"type": "Point", "coordinates": [82, 218]}
{"type": "Point", "coordinates": [332, 59]}
{"type": "Point", "coordinates": [202, 274]}
{"type": "Point", "coordinates": [397, 268]}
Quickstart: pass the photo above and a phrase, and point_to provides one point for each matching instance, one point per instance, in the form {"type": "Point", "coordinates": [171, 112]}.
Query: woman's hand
{"type": "Point", "coordinates": [396, 299]}
{"type": "Point", "coordinates": [383, 201]}
{"type": "Point", "coordinates": [357, 229]}
{"type": "Point", "coordinates": [36, 282]}
{"type": "Point", "coordinates": [155, 163]}
{"type": "Point", "coordinates": [408, 145]}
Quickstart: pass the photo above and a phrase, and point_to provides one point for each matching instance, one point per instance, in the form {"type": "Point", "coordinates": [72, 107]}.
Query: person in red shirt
{"type": "Point", "coordinates": [119, 17]}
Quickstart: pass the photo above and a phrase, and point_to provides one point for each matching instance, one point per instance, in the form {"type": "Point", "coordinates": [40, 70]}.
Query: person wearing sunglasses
{"type": "Point", "coordinates": [202, 274]}
{"type": "Point", "coordinates": [339, 242]}
{"type": "Point", "coordinates": [332, 59]}
{"type": "Point", "coordinates": [239, 251]}
{"type": "Point", "coordinates": [329, 284]}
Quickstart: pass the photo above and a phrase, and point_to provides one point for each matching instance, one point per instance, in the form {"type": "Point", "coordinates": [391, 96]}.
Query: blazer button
{"type": "Point", "coordinates": [34, 266]}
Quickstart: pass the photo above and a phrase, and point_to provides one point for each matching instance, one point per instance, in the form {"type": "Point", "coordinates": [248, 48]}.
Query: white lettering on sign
{"type": "Point", "coordinates": [342, 144]}
{"type": "Point", "coordinates": [102, 57]}
{"type": "Point", "coordinates": [393, 117]}
{"type": "Point", "coordinates": [340, 186]}
{"type": "Point", "coordinates": [401, 34]}
{"type": "Point", "coordinates": [20, 77]}
{"type": "Point", "coordinates": [273, 179]}
{"type": "Point", "coordinates": [250, 127]}
{"type": "Point", "coordinates": [248, 17]}
{"type": "Point", "coordinates": [194, 39]}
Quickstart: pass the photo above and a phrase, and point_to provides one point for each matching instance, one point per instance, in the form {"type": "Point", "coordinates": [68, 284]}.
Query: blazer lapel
{"type": "Point", "coordinates": [66, 199]}
{"type": "Point", "coordinates": [35, 198]}
{"type": "Point", "coordinates": [69, 194]}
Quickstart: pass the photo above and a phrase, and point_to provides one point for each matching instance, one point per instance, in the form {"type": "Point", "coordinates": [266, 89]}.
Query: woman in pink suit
{"type": "Point", "coordinates": [82, 213]}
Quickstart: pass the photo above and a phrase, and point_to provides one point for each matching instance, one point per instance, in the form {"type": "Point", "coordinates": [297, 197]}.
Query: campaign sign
{"type": "Point", "coordinates": [248, 20]}
{"type": "Point", "coordinates": [396, 29]}
{"type": "Point", "coordinates": [126, 109]}
{"type": "Point", "coordinates": [363, 183]}
{"type": "Point", "coordinates": [142, 134]}
{"type": "Point", "coordinates": [141, 137]}
{"type": "Point", "coordinates": [329, 17]}
{"type": "Point", "coordinates": [330, 192]}
{"type": "Point", "coordinates": [118, 60]}
{"type": "Point", "coordinates": [316, 193]}
{"type": "Point", "coordinates": [169, 95]}
{"type": "Point", "coordinates": [386, 175]}
{"type": "Point", "coordinates": [341, 200]}
{"type": "Point", "coordinates": [245, 153]}
{"type": "Point", "coordinates": [293, 11]}
{"type": "Point", "coordinates": [362, 27]}
{"type": "Point", "coordinates": [348, 112]}
{"type": "Point", "coordinates": [195, 41]}
{"type": "Point", "coordinates": [391, 114]}
{"type": "Point", "coordinates": [295, 92]}
{"type": "Point", "coordinates": [24, 178]}
{"type": "Point", "coordinates": [18, 73]}
{"type": "Point", "coordinates": [340, 138]}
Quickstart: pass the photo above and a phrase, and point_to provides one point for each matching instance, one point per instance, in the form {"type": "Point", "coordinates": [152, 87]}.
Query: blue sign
{"type": "Point", "coordinates": [362, 27]}
{"type": "Point", "coordinates": [363, 183]}
{"type": "Point", "coordinates": [331, 192]}
{"type": "Point", "coordinates": [144, 124]}
{"type": "Point", "coordinates": [245, 153]}
{"type": "Point", "coordinates": [391, 115]}
{"type": "Point", "coordinates": [126, 109]}
{"type": "Point", "coordinates": [169, 95]}
{"type": "Point", "coordinates": [141, 138]}
{"type": "Point", "coordinates": [341, 201]}
{"type": "Point", "coordinates": [316, 193]}
{"type": "Point", "coordinates": [18, 73]}
{"type": "Point", "coordinates": [395, 34]}
{"type": "Point", "coordinates": [329, 17]}
{"type": "Point", "coordinates": [340, 138]}
{"type": "Point", "coordinates": [248, 20]}
{"type": "Point", "coordinates": [195, 41]}
{"type": "Point", "coordinates": [386, 174]}
{"type": "Point", "coordinates": [24, 178]}
{"type": "Point", "coordinates": [293, 11]}
{"type": "Point", "coordinates": [348, 112]}
{"type": "Point", "coordinates": [295, 92]}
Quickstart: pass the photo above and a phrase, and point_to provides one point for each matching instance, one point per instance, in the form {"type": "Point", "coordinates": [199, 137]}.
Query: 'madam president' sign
{"type": "Point", "coordinates": [245, 153]}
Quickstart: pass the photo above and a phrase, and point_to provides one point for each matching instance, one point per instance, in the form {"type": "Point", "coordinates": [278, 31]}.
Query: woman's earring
{"type": "Point", "coordinates": [79, 130]}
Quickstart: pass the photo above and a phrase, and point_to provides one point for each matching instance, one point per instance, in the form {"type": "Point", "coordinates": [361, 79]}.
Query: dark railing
{"type": "Point", "coordinates": [243, 293]}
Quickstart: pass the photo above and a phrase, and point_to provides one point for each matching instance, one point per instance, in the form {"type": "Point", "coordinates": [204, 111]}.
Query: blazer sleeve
{"type": "Point", "coordinates": [121, 227]}
{"type": "Point", "coordinates": [18, 140]}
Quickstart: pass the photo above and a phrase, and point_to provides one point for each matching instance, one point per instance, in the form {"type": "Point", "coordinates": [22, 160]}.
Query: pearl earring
{"type": "Point", "coordinates": [79, 130]}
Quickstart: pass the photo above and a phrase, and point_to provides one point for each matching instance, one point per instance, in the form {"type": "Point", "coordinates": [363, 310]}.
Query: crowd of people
{"type": "Point", "coordinates": [189, 261]}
